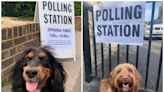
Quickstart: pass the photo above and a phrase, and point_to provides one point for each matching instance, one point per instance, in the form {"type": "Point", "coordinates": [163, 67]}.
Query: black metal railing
{"type": "Point", "coordinates": [87, 53]}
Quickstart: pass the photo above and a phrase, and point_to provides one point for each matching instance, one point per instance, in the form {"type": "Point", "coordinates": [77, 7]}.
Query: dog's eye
{"type": "Point", "coordinates": [42, 55]}
{"type": "Point", "coordinates": [28, 59]}
{"type": "Point", "coordinates": [41, 58]}
{"type": "Point", "coordinates": [29, 56]}
{"type": "Point", "coordinates": [129, 69]}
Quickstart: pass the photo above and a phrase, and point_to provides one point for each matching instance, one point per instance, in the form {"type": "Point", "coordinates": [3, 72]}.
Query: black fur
{"type": "Point", "coordinates": [54, 84]}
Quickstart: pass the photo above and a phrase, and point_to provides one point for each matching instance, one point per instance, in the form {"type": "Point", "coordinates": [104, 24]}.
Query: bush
{"type": "Point", "coordinates": [77, 8]}
{"type": "Point", "coordinates": [27, 9]}
{"type": "Point", "coordinates": [18, 9]}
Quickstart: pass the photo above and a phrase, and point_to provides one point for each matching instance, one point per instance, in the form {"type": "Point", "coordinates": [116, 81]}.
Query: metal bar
{"type": "Point", "coordinates": [110, 59]}
{"type": "Point", "coordinates": [96, 77]}
{"type": "Point", "coordinates": [149, 46]}
{"type": "Point", "coordinates": [94, 43]}
{"type": "Point", "coordinates": [118, 55]}
{"type": "Point", "coordinates": [86, 44]}
{"type": "Point", "coordinates": [102, 59]}
{"type": "Point", "coordinates": [137, 56]}
{"type": "Point", "coordinates": [127, 54]}
{"type": "Point", "coordinates": [159, 70]}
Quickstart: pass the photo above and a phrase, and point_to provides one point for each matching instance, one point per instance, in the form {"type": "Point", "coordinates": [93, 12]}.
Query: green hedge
{"type": "Point", "coordinates": [18, 9]}
{"type": "Point", "coordinates": [27, 9]}
{"type": "Point", "coordinates": [77, 8]}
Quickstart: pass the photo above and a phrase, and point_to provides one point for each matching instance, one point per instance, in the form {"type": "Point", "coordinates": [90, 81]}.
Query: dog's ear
{"type": "Point", "coordinates": [110, 74]}
{"type": "Point", "coordinates": [111, 77]}
{"type": "Point", "coordinates": [17, 81]}
{"type": "Point", "coordinates": [18, 84]}
{"type": "Point", "coordinates": [58, 74]}
{"type": "Point", "coordinates": [138, 78]}
{"type": "Point", "coordinates": [58, 77]}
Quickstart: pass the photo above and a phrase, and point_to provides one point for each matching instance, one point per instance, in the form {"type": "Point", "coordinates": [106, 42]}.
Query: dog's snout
{"type": "Point", "coordinates": [125, 78]}
{"type": "Point", "coordinates": [31, 73]}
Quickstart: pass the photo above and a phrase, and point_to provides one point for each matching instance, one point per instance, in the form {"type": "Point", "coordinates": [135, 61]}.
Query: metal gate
{"type": "Point", "coordinates": [100, 58]}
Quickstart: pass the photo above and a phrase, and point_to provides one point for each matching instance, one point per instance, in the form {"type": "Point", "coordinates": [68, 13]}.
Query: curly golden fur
{"type": "Point", "coordinates": [123, 78]}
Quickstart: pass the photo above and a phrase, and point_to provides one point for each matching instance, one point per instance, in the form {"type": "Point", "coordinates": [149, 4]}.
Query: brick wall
{"type": "Point", "coordinates": [78, 23]}
{"type": "Point", "coordinates": [14, 41]}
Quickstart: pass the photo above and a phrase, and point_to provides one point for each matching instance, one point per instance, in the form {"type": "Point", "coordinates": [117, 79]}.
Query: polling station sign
{"type": "Point", "coordinates": [119, 22]}
{"type": "Point", "coordinates": [57, 27]}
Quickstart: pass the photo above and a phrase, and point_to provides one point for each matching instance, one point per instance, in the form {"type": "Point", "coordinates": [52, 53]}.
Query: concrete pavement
{"type": "Point", "coordinates": [73, 69]}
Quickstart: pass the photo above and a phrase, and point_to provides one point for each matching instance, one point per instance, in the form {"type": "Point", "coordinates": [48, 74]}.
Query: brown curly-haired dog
{"type": "Point", "coordinates": [123, 78]}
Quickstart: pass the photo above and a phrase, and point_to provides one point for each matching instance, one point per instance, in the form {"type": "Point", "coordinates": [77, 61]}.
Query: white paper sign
{"type": "Point", "coordinates": [57, 27]}
{"type": "Point", "coordinates": [119, 22]}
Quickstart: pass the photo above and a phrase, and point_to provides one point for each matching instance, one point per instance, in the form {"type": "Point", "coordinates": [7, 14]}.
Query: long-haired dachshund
{"type": "Point", "coordinates": [38, 71]}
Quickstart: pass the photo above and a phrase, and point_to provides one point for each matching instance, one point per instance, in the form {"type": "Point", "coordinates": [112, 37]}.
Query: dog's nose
{"type": "Point", "coordinates": [31, 73]}
{"type": "Point", "coordinates": [125, 78]}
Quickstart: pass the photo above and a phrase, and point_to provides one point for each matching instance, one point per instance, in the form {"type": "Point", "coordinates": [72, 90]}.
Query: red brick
{"type": "Point", "coordinates": [7, 62]}
{"type": "Point", "coordinates": [10, 33]}
{"type": "Point", "coordinates": [5, 54]}
{"type": "Point", "coordinates": [20, 31]}
{"type": "Point", "coordinates": [7, 44]}
{"type": "Point", "coordinates": [4, 34]}
{"type": "Point", "coordinates": [15, 31]}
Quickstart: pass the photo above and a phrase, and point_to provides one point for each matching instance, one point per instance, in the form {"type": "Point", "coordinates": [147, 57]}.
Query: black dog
{"type": "Point", "coordinates": [38, 70]}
